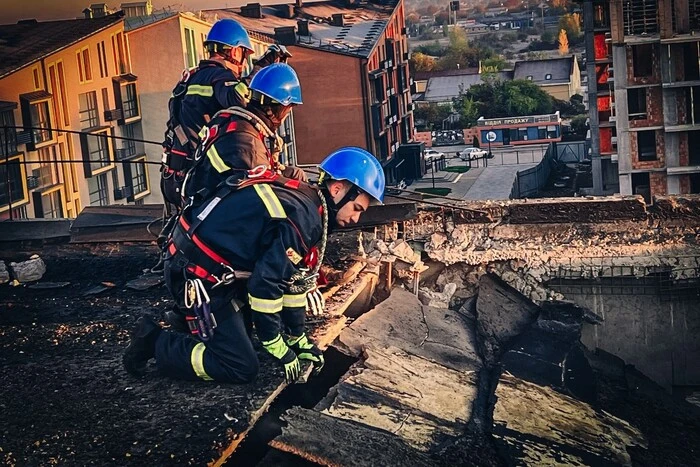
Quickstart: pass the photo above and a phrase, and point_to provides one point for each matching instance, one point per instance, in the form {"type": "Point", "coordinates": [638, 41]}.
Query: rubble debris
{"type": "Point", "coordinates": [145, 282]}
{"type": "Point", "coordinates": [4, 273]}
{"type": "Point", "coordinates": [95, 290]}
{"type": "Point", "coordinates": [350, 444]}
{"type": "Point", "coordinates": [389, 390]}
{"type": "Point", "coordinates": [48, 285]}
{"type": "Point", "coordinates": [28, 271]}
{"type": "Point", "coordinates": [565, 430]}
{"type": "Point", "coordinates": [435, 299]}
{"type": "Point", "coordinates": [401, 321]}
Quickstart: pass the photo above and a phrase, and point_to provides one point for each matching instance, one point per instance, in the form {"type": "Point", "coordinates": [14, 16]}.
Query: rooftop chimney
{"type": "Point", "coordinates": [88, 13]}
{"type": "Point", "coordinates": [337, 20]}
{"type": "Point", "coordinates": [303, 27]}
{"type": "Point", "coordinates": [287, 11]}
{"type": "Point", "coordinates": [299, 3]}
{"type": "Point", "coordinates": [286, 35]}
{"type": "Point", "coordinates": [252, 10]}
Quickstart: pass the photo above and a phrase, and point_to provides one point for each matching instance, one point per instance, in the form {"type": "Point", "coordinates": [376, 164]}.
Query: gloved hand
{"type": "Point", "coordinates": [307, 350]}
{"type": "Point", "coordinates": [287, 357]}
{"type": "Point", "coordinates": [274, 54]}
{"type": "Point", "coordinates": [315, 303]}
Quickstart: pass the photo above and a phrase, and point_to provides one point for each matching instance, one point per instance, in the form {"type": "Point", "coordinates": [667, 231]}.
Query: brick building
{"type": "Point", "coordinates": [643, 79]}
{"type": "Point", "coordinates": [352, 60]}
{"type": "Point", "coordinates": [72, 75]}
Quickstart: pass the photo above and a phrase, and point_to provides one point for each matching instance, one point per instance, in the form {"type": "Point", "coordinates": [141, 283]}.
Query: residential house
{"type": "Point", "coordinates": [68, 84]}
{"type": "Point", "coordinates": [559, 77]}
{"type": "Point", "coordinates": [442, 89]}
{"type": "Point", "coordinates": [352, 60]}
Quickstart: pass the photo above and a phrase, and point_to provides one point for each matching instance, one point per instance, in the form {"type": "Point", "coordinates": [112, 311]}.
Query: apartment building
{"type": "Point", "coordinates": [352, 60]}
{"type": "Point", "coordinates": [162, 45]}
{"type": "Point", "coordinates": [68, 86]}
{"type": "Point", "coordinates": [643, 83]}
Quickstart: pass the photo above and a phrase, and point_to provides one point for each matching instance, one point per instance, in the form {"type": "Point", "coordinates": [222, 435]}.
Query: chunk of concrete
{"type": "Point", "coordinates": [443, 336]}
{"type": "Point", "coordinates": [30, 270]}
{"type": "Point", "coordinates": [502, 313]}
{"type": "Point", "coordinates": [4, 273]}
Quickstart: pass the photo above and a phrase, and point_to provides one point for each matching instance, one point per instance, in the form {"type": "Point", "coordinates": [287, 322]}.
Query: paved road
{"type": "Point", "coordinates": [502, 156]}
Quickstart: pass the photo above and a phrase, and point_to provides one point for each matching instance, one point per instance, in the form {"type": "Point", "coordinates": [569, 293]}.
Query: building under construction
{"type": "Point", "coordinates": [643, 79]}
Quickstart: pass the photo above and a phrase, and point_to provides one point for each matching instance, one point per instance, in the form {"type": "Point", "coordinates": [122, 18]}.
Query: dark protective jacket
{"type": "Point", "coordinates": [234, 144]}
{"type": "Point", "coordinates": [265, 229]}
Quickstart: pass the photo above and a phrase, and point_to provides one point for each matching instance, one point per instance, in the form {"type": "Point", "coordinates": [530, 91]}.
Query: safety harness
{"type": "Point", "coordinates": [197, 258]}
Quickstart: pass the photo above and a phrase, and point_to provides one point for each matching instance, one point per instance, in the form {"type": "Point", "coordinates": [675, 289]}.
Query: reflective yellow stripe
{"type": "Point", "coordinates": [270, 200]}
{"type": "Point", "coordinates": [216, 161]}
{"type": "Point", "coordinates": [197, 359]}
{"type": "Point", "coordinates": [265, 305]}
{"type": "Point", "coordinates": [199, 90]}
{"type": "Point", "coordinates": [243, 91]}
{"type": "Point", "coordinates": [294, 301]}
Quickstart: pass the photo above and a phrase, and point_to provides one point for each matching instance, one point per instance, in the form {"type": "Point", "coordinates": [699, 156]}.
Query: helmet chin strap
{"type": "Point", "coordinates": [334, 207]}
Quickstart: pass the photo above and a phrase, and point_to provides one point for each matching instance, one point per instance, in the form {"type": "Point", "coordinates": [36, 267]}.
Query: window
{"type": "Point", "coordinates": [35, 75]}
{"type": "Point", "coordinates": [96, 152]}
{"type": "Point", "coordinates": [102, 58]}
{"type": "Point", "coordinates": [548, 77]}
{"type": "Point", "coordinates": [62, 84]}
{"type": "Point", "coordinates": [39, 116]}
{"type": "Point", "coordinates": [130, 103]}
{"type": "Point", "coordinates": [105, 98]}
{"type": "Point", "coordinates": [84, 65]}
{"type": "Point", "coordinates": [128, 145]}
{"type": "Point", "coordinates": [49, 171]}
{"type": "Point", "coordinates": [552, 131]}
{"type": "Point", "coordinates": [541, 132]}
{"type": "Point", "coordinates": [139, 177]}
{"type": "Point", "coordinates": [191, 54]}
{"type": "Point", "coordinates": [98, 189]}
{"type": "Point", "coordinates": [119, 53]}
{"type": "Point", "coordinates": [51, 205]}
{"type": "Point", "coordinates": [637, 104]}
{"type": "Point", "coordinates": [89, 115]}
{"type": "Point", "coordinates": [15, 173]}
{"type": "Point", "coordinates": [642, 60]}
{"type": "Point", "coordinates": [522, 134]}
{"type": "Point", "coordinates": [529, 77]}
{"type": "Point", "coordinates": [8, 141]}
{"type": "Point", "coordinates": [646, 145]}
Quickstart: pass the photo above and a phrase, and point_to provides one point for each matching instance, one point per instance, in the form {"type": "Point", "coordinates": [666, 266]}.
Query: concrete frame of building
{"type": "Point", "coordinates": [641, 94]}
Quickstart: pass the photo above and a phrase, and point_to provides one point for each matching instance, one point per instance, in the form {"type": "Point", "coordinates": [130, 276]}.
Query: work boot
{"type": "Point", "coordinates": [177, 320]}
{"type": "Point", "coordinates": [142, 347]}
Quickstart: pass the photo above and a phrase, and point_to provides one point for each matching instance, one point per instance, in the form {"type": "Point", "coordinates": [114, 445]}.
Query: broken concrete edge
{"type": "Point", "coordinates": [323, 336]}
{"type": "Point", "coordinates": [22, 272]}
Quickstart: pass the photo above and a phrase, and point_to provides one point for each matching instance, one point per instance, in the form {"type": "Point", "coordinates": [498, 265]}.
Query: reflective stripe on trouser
{"type": "Point", "coordinates": [229, 355]}
{"type": "Point", "coordinates": [265, 305]}
{"type": "Point", "coordinates": [197, 359]}
{"type": "Point", "coordinates": [294, 301]}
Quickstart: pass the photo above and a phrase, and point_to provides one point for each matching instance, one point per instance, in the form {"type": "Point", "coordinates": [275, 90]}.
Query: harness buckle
{"type": "Point", "coordinates": [257, 171]}
{"type": "Point", "coordinates": [228, 277]}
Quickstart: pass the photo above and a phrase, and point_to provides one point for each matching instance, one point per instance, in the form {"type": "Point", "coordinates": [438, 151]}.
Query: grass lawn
{"type": "Point", "coordinates": [434, 191]}
{"type": "Point", "coordinates": [458, 169]}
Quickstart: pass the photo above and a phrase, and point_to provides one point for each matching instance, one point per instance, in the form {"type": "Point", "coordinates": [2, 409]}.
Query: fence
{"type": "Point", "coordinates": [528, 182]}
{"type": "Point", "coordinates": [509, 157]}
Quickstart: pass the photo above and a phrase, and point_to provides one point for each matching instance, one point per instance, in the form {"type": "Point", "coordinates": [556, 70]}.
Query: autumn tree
{"type": "Point", "coordinates": [571, 23]}
{"type": "Point", "coordinates": [563, 42]}
{"type": "Point", "coordinates": [422, 62]}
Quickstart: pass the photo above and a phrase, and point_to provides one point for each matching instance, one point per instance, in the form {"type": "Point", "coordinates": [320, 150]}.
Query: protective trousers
{"type": "Point", "coordinates": [228, 357]}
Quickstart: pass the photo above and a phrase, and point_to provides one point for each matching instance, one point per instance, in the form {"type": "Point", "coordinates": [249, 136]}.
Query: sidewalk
{"type": "Point", "coordinates": [495, 182]}
{"type": "Point", "coordinates": [458, 183]}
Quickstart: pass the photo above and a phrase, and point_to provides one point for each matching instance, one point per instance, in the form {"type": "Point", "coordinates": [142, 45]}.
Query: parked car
{"type": "Point", "coordinates": [470, 154]}
{"type": "Point", "coordinates": [432, 154]}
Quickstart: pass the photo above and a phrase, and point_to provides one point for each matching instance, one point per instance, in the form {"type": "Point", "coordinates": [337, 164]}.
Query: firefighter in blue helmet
{"type": "Point", "coordinates": [241, 139]}
{"type": "Point", "coordinates": [216, 83]}
{"type": "Point", "coordinates": [251, 245]}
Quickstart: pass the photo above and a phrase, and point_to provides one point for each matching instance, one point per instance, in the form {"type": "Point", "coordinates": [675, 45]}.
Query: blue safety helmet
{"type": "Point", "coordinates": [228, 32]}
{"type": "Point", "coordinates": [279, 82]}
{"type": "Point", "coordinates": [359, 167]}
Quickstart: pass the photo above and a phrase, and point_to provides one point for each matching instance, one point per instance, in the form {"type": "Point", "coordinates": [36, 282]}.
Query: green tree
{"type": "Point", "coordinates": [421, 62]}
{"type": "Point", "coordinates": [495, 98]}
{"type": "Point", "coordinates": [493, 64]}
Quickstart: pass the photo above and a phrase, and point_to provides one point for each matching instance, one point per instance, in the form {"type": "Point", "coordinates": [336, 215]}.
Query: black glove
{"type": "Point", "coordinates": [274, 54]}
{"type": "Point", "coordinates": [307, 350]}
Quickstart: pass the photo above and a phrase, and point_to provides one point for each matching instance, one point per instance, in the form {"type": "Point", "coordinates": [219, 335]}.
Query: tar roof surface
{"type": "Point", "coordinates": [26, 42]}
{"type": "Point", "coordinates": [559, 68]}
{"type": "Point", "coordinates": [363, 24]}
